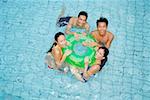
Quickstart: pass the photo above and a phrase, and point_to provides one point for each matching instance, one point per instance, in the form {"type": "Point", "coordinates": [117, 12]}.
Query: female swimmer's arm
{"type": "Point", "coordinates": [68, 43]}
{"type": "Point", "coordinates": [88, 72]}
{"type": "Point", "coordinates": [86, 62]}
{"type": "Point", "coordinates": [60, 59]}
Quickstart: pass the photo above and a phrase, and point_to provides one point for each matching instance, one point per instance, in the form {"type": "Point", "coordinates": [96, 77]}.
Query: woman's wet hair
{"type": "Point", "coordinates": [83, 13]}
{"type": "Point", "coordinates": [56, 39]}
{"type": "Point", "coordinates": [106, 52]}
{"type": "Point", "coordinates": [102, 19]}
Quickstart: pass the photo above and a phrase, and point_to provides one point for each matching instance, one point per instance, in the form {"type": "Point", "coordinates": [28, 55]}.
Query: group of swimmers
{"type": "Point", "coordinates": [55, 57]}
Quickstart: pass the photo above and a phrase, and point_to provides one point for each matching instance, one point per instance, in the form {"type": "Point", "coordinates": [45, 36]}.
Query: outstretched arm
{"type": "Point", "coordinates": [108, 43]}
{"type": "Point", "coordinates": [85, 72]}
{"type": "Point", "coordinates": [92, 70]}
{"type": "Point", "coordinates": [91, 44]}
{"type": "Point", "coordinates": [69, 26]}
{"type": "Point", "coordinates": [58, 59]}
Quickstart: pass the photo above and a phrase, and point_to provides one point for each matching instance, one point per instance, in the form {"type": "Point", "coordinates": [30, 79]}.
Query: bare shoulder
{"type": "Point", "coordinates": [55, 50]}
{"type": "Point", "coordinates": [94, 33]}
{"type": "Point", "coordinates": [87, 25]}
{"type": "Point", "coordinates": [110, 34]}
{"type": "Point", "coordinates": [73, 19]}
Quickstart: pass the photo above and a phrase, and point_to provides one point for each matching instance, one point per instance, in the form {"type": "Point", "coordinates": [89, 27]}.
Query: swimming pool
{"type": "Point", "coordinates": [27, 28]}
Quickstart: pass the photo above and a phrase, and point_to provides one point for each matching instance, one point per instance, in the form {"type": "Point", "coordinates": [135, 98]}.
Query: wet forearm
{"type": "Point", "coordinates": [63, 59]}
{"type": "Point", "coordinates": [69, 32]}
{"type": "Point", "coordinates": [59, 63]}
{"type": "Point", "coordinates": [85, 68]}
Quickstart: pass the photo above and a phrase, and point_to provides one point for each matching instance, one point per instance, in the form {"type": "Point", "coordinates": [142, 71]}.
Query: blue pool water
{"type": "Point", "coordinates": [79, 49]}
{"type": "Point", "coordinates": [27, 28]}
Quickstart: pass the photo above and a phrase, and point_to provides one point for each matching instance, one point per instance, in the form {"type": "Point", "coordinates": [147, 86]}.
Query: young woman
{"type": "Point", "coordinates": [55, 58]}
{"type": "Point", "coordinates": [101, 58]}
{"type": "Point", "coordinates": [84, 74]}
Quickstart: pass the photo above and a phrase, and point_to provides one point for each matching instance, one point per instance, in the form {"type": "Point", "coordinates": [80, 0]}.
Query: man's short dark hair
{"type": "Point", "coordinates": [83, 13]}
{"type": "Point", "coordinates": [102, 19]}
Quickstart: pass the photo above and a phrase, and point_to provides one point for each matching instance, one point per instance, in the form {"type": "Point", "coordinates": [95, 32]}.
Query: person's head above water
{"type": "Point", "coordinates": [60, 40]}
{"type": "Point", "coordinates": [102, 20]}
{"type": "Point", "coordinates": [82, 17]}
{"type": "Point", "coordinates": [102, 53]}
{"type": "Point", "coordinates": [102, 24]}
{"type": "Point", "coordinates": [83, 13]}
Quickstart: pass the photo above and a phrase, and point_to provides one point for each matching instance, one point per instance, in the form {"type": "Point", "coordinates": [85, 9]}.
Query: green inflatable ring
{"type": "Point", "coordinates": [79, 52]}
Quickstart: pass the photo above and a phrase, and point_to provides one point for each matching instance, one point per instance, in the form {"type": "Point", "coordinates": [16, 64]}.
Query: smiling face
{"type": "Point", "coordinates": [102, 27]}
{"type": "Point", "coordinates": [81, 20]}
{"type": "Point", "coordinates": [61, 41]}
{"type": "Point", "coordinates": [100, 54]}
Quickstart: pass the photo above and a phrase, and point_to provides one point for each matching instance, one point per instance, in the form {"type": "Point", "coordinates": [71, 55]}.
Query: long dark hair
{"type": "Point", "coordinates": [106, 52]}
{"type": "Point", "coordinates": [56, 39]}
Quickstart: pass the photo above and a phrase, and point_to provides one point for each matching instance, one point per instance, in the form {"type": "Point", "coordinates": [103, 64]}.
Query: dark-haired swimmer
{"type": "Point", "coordinates": [102, 36]}
{"type": "Point", "coordinates": [78, 22]}
{"type": "Point", "coordinates": [101, 58]}
{"type": "Point", "coordinates": [55, 58]}
{"type": "Point", "coordinates": [84, 74]}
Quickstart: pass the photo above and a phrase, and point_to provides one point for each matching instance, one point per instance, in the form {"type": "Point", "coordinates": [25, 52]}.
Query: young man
{"type": "Point", "coordinates": [102, 36]}
{"type": "Point", "coordinates": [78, 22]}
